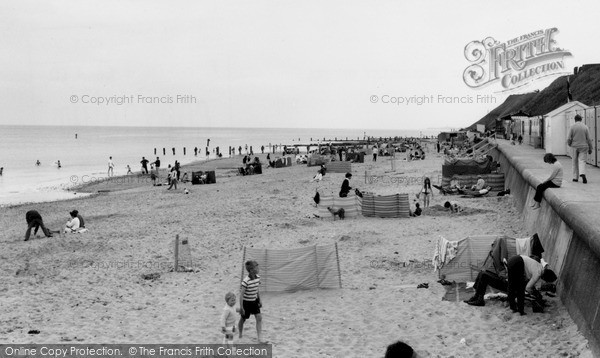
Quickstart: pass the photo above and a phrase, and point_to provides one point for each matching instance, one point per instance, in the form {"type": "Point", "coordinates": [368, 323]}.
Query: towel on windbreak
{"type": "Point", "coordinates": [523, 246]}
{"type": "Point", "coordinates": [444, 251]}
{"type": "Point", "coordinates": [536, 246]}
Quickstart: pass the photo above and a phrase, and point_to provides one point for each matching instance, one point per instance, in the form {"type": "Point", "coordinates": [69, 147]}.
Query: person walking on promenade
{"type": "Point", "coordinates": [579, 139]}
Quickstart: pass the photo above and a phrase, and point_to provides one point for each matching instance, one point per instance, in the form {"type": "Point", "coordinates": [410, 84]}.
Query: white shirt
{"type": "Point", "coordinates": [73, 224]}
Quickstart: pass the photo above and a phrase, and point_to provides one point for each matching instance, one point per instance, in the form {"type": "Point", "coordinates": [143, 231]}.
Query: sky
{"type": "Point", "coordinates": [283, 64]}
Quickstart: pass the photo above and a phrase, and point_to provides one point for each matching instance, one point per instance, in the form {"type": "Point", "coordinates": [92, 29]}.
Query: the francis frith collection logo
{"type": "Point", "coordinates": [514, 63]}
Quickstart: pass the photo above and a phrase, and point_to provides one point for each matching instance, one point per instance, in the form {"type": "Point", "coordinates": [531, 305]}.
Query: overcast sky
{"type": "Point", "coordinates": [329, 64]}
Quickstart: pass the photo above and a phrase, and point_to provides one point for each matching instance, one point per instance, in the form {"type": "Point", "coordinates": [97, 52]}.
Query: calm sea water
{"type": "Point", "coordinates": [85, 157]}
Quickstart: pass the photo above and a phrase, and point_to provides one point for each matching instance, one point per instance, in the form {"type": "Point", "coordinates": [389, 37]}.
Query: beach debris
{"type": "Point", "coordinates": [33, 331]}
{"type": "Point", "coordinates": [345, 238]}
{"type": "Point", "coordinates": [423, 285]}
{"type": "Point", "coordinates": [151, 276]}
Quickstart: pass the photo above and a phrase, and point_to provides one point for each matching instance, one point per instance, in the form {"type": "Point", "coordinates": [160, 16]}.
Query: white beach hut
{"type": "Point", "coordinates": [557, 125]}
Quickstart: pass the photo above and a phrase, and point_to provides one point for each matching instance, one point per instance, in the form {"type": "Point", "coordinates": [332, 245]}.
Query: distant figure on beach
{"type": "Point", "coordinates": [1, 170]}
{"type": "Point", "coordinates": [38, 163]}
{"type": "Point", "coordinates": [157, 165]}
{"type": "Point", "coordinates": [262, 149]}
{"type": "Point", "coordinates": [144, 165]}
{"type": "Point", "coordinates": [439, 147]}
{"type": "Point", "coordinates": [58, 164]}
{"type": "Point", "coordinates": [520, 139]}
{"type": "Point", "coordinates": [73, 224]}
{"type": "Point", "coordinates": [346, 186]}
{"type": "Point", "coordinates": [173, 149]}
{"type": "Point", "coordinates": [228, 318]}
{"type": "Point", "coordinates": [195, 151]}
{"type": "Point", "coordinates": [172, 179]}
{"type": "Point", "coordinates": [553, 181]}
{"type": "Point", "coordinates": [240, 150]}
{"type": "Point", "coordinates": [34, 220]}
{"type": "Point", "coordinates": [111, 167]}
{"type": "Point", "coordinates": [427, 192]}
{"type": "Point", "coordinates": [75, 135]}
{"type": "Point", "coordinates": [129, 169]}
{"type": "Point", "coordinates": [177, 168]}
{"type": "Point", "coordinates": [374, 150]}
{"type": "Point", "coordinates": [246, 148]}
{"type": "Point", "coordinates": [250, 299]}
{"type": "Point", "coordinates": [579, 139]}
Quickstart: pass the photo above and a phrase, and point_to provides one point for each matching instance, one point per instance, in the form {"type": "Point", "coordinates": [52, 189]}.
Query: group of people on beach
{"type": "Point", "coordinates": [34, 220]}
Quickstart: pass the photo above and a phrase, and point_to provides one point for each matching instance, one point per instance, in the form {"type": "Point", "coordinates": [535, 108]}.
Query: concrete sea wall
{"type": "Point", "coordinates": [568, 224]}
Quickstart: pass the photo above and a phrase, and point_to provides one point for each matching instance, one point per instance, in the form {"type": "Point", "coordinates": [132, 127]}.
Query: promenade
{"type": "Point", "coordinates": [568, 224]}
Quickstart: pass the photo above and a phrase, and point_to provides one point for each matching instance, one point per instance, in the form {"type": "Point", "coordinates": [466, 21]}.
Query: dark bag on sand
{"type": "Point", "coordinates": [317, 198]}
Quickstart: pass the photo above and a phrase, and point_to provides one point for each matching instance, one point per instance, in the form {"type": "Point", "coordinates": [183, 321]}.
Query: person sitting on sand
{"type": "Point", "coordinates": [453, 206]}
{"type": "Point", "coordinates": [73, 224]}
{"type": "Point", "coordinates": [346, 186]}
{"type": "Point", "coordinates": [184, 178]}
{"type": "Point", "coordinates": [418, 211]}
{"type": "Point", "coordinates": [320, 174]}
{"type": "Point", "coordinates": [480, 184]}
{"type": "Point", "coordinates": [34, 220]}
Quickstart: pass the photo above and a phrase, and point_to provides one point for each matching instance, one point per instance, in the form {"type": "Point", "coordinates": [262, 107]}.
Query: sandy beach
{"type": "Point", "coordinates": [89, 288]}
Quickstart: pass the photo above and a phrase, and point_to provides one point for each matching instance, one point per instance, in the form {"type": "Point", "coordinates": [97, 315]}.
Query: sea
{"type": "Point", "coordinates": [84, 151]}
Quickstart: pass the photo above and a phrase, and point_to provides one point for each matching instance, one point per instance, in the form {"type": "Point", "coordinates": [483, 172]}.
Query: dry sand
{"type": "Point", "coordinates": [88, 288]}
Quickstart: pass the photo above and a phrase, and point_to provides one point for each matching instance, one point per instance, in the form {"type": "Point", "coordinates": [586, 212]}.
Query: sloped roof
{"type": "Point", "coordinates": [584, 86]}
{"type": "Point", "coordinates": [566, 107]}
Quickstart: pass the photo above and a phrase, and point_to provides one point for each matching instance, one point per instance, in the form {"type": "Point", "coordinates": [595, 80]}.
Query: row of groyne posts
{"type": "Point", "coordinates": [273, 148]}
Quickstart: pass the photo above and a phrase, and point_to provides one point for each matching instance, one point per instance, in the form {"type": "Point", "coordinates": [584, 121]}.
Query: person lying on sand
{"type": "Point", "coordinates": [453, 206]}
{"type": "Point", "coordinates": [480, 183]}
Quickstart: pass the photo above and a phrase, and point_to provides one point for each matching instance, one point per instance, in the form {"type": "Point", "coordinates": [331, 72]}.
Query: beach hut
{"type": "Point", "coordinates": [557, 124]}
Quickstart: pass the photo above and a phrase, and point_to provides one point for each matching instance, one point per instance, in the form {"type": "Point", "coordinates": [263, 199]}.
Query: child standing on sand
{"type": "Point", "coordinates": [228, 318]}
{"type": "Point", "coordinates": [250, 300]}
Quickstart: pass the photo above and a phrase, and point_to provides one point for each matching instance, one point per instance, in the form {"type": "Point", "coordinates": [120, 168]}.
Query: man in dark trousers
{"type": "Point", "coordinates": [144, 165]}
{"type": "Point", "coordinates": [523, 273]}
{"type": "Point", "coordinates": [34, 220]}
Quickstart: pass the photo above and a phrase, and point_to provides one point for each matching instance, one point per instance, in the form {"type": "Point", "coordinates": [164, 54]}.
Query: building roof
{"type": "Point", "coordinates": [584, 88]}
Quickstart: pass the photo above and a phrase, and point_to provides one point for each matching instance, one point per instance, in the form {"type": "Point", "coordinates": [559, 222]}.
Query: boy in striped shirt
{"type": "Point", "coordinates": [250, 299]}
